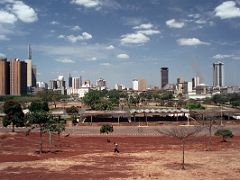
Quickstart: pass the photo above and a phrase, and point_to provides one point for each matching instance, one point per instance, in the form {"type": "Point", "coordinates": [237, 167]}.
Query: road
{"type": "Point", "coordinates": [127, 130]}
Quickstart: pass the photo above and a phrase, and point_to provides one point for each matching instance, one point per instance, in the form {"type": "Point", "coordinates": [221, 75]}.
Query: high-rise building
{"type": "Point", "coordinates": [76, 82]}
{"type": "Point", "coordinates": [218, 75]}
{"type": "Point", "coordinates": [4, 77]}
{"type": "Point", "coordinates": [86, 83]}
{"type": "Point", "coordinates": [195, 82]}
{"type": "Point", "coordinates": [18, 77]}
{"type": "Point", "coordinates": [29, 73]}
{"type": "Point", "coordinates": [34, 76]}
{"type": "Point", "coordinates": [164, 76]}
{"type": "Point", "coordinates": [139, 85]}
{"type": "Point", "coordinates": [70, 81]}
{"type": "Point", "coordinates": [101, 84]}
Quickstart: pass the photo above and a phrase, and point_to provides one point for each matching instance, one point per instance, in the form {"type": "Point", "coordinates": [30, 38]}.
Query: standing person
{"type": "Point", "coordinates": [116, 147]}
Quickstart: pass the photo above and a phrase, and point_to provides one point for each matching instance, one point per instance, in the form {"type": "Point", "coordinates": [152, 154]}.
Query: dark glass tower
{"type": "Point", "coordinates": [164, 76]}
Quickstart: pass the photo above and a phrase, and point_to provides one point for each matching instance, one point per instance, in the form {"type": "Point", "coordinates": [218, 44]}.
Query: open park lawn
{"type": "Point", "coordinates": [140, 157]}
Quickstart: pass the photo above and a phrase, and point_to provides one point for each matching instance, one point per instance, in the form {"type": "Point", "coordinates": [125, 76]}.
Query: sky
{"type": "Point", "coordinates": [121, 40]}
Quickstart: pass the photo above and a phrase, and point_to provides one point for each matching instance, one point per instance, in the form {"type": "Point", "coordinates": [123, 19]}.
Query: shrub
{"type": "Point", "coordinates": [225, 133]}
{"type": "Point", "coordinates": [106, 128]}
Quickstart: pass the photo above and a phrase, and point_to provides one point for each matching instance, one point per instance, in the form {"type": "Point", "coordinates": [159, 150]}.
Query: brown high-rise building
{"type": "Point", "coordinates": [18, 77]}
{"type": "Point", "coordinates": [4, 77]}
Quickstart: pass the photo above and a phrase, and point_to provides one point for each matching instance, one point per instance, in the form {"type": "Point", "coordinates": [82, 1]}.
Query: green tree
{"type": "Point", "coordinates": [194, 106]}
{"type": "Point", "coordinates": [72, 110]}
{"type": "Point", "coordinates": [14, 114]}
{"type": "Point", "coordinates": [106, 128]}
{"type": "Point", "coordinates": [225, 133]}
{"type": "Point", "coordinates": [38, 119]}
{"type": "Point", "coordinates": [36, 106]}
{"type": "Point", "coordinates": [92, 98]}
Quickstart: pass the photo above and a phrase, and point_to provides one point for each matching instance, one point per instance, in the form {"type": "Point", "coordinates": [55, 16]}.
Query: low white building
{"type": "Point", "coordinates": [80, 92]}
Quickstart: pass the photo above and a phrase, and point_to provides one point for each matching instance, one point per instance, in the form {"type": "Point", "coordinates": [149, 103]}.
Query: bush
{"type": "Point", "coordinates": [106, 128]}
{"type": "Point", "coordinates": [225, 133]}
{"type": "Point", "coordinates": [72, 110]}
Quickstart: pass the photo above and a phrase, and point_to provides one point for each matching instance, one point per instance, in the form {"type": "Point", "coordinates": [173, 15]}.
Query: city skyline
{"type": "Point", "coordinates": [122, 40]}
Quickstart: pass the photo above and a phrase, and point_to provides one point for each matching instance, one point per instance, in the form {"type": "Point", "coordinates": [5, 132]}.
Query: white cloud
{"type": "Point", "coordinates": [227, 10]}
{"type": "Point", "coordinates": [110, 47]}
{"type": "Point", "coordinates": [105, 64]}
{"type": "Point", "coordinates": [141, 34]}
{"type": "Point", "coordinates": [191, 42]}
{"type": "Point", "coordinates": [122, 56]}
{"type": "Point", "coordinates": [65, 60]}
{"type": "Point", "coordinates": [134, 38]}
{"type": "Point", "coordinates": [172, 23]}
{"type": "Point", "coordinates": [144, 26]}
{"type": "Point", "coordinates": [73, 38]}
{"type": "Point", "coordinates": [201, 21]}
{"type": "Point", "coordinates": [149, 32]}
{"type": "Point", "coordinates": [76, 28]}
{"type": "Point", "coordinates": [87, 3]}
{"type": "Point", "coordinates": [54, 22]}
{"type": "Point", "coordinates": [3, 38]}
{"type": "Point", "coordinates": [93, 59]}
{"type": "Point", "coordinates": [222, 56]}
{"type": "Point", "coordinates": [24, 12]}
{"type": "Point", "coordinates": [8, 18]}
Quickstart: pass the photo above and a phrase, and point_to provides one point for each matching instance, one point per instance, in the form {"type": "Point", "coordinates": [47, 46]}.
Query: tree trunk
{"type": "Point", "coordinates": [50, 137]}
{"type": "Point", "coordinates": [13, 128]}
{"type": "Point", "coordinates": [41, 140]}
{"type": "Point", "coordinates": [210, 136]}
{"type": "Point", "coordinates": [183, 155]}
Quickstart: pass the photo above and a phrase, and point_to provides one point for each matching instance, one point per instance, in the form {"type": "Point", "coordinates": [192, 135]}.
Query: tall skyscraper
{"type": "Point", "coordinates": [76, 82]}
{"type": "Point", "coordinates": [218, 74]}
{"type": "Point", "coordinates": [34, 76]}
{"type": "Point", "coordinates": [18, 77]}
{"type": "Point", "coordinates": [70, 81]}
{"type": "Point", "coordinates": [164, 76]}
{"type": "Point", "coordinates": [4, 77]}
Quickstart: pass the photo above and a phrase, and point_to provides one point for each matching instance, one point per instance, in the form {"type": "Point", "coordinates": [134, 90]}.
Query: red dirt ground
{"type": "Point", "coordinates": [89, 157]}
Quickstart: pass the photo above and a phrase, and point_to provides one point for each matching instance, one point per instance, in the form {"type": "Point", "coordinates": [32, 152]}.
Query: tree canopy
{"type": "Point", "coordinates": [14, 114]}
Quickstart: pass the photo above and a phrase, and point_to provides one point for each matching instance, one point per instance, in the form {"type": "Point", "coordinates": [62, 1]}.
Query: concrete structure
{"type": "Point", "coordinates": [58, 85]}
{"type": "Point", "coordinates": [201, 89]}
{"type": "Point", "coordinates": [42, 85]}
{"type": "Point", "coordinates": [76, 82]}
{"type": "Point", "coordinates": [86, 83]}
{"type": "Point", "coordinates": [4, 77]}
{"type": "Point", "coordinates": [119, 87]}
{"type": "Point", "coordinates": [139, 85]}
{"type": "Point", "coordinates": [80, 92]}
{"type": "Point", "coordinates": [70, 81]}
{"type": "Point", "coordinates": [101, 84]}
{"type": "Point", "coordinates": [218, 74]}
{"type": "Point", "coordinates": [18, 77]}
{"type": "Point", "coordinates": [164, 77]}
{"type": "Point", "coordinates": [195, 82]}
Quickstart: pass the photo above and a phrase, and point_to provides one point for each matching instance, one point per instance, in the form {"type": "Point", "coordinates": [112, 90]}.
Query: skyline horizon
{"type": "Point", "coordinates": [124, 40]}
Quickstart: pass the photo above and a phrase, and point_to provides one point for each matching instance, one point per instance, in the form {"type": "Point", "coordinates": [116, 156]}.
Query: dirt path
{"type": "Point", "coordinates": [77, 157]}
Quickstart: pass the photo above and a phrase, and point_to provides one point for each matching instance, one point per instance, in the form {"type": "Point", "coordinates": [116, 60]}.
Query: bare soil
{"type": "Point", "coordinates": [92, 157]}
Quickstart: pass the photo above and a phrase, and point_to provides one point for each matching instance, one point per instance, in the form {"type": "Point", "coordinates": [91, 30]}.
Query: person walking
{"type": "Point", "coordinates": [116, 147]}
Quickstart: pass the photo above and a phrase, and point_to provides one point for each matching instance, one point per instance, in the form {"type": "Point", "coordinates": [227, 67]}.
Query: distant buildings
{"type": "Point", "coordinates": [164, 77]}
{"type": "Point", "coordinates": [58, 85]}
{"type": "Point", "coordinates": [218, 74]}
{"type": "Point", "coordinates": [18, 77]}
{"type": "Point", "coordinates": [101, 84]}
{"type": "Point", "coordinates": [139, 85]}
{"type": "Point", "coordinates": [4, 77]}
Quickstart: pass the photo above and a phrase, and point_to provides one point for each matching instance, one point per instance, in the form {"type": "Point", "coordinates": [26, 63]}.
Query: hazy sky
{"type": "Point", "coordinates": [120, 40]}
